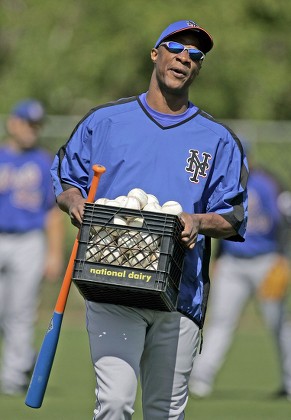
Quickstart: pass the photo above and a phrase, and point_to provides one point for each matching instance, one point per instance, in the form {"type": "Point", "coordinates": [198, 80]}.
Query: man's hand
{"type": "Point", "coordinates": [191, 223]}
{"type": "Point", "coordinates": [210, 224]}
{"type": "Point", "coordinates": [76, 212]}
{"type": "Point", "coordinates": [72, 202]}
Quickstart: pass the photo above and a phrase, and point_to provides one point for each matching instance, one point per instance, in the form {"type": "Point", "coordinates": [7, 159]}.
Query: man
{"type": "Point", "coordinates": [255, 268]}
{"type": "Point", "coordinates": [162, 143]}
{"type": "Point", "coordinates": [31, 240]}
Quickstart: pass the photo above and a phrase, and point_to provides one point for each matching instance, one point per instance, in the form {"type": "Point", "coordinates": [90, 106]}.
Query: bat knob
{"type": "Point", "coordinates": [99, 169]}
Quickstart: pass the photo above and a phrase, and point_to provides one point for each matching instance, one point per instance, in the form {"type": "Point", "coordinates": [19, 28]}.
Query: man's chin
{"type": "Point", "coordinates": [178, 91]}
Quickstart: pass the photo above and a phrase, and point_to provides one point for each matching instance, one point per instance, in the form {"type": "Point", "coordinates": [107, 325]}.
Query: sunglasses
{"type": "Point", "coordinates": [177, 48]}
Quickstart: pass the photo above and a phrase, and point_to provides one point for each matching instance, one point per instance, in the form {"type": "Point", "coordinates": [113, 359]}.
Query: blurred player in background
{"type": "Point", "coordinates": [257, 268]}
{"type": "Point", "coordinates": [31, 240]}
{"type": "Point", "coordinates": [160, 142]}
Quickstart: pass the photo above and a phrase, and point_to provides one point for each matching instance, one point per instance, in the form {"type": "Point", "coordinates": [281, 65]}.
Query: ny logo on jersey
{"type": "Point", "coordinates": [197, 167]}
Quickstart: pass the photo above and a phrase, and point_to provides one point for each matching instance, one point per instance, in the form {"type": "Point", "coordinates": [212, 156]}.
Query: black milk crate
{"type": "Point", "coordinates": [129, 265]}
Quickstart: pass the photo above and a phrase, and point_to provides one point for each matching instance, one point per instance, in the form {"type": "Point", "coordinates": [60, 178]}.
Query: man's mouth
{"type": "Point", "coordinates": [178, 72]}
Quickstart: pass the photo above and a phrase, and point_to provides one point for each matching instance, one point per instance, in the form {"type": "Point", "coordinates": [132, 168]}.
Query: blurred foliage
{"type": "Point", "coordinates": [77, 54]}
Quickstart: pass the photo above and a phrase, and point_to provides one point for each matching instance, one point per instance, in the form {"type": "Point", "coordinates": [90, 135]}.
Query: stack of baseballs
{"type": "Point", "coordinates": [130, 247]}
{"type": "Point", "coordinates": [140, 200]}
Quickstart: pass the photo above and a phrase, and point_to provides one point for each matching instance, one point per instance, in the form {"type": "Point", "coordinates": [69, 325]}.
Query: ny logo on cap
{"type": "Point", "coordinates": [192, 23]}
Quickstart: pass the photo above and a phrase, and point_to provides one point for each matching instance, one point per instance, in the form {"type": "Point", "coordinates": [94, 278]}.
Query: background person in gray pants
{"type": "Point", "coordinates": [255, 268]}
{"type": "Point", "coordinates": [31, 240]}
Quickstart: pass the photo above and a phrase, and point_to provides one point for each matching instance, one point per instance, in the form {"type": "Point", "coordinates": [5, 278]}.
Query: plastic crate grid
{"type": "Point", "coordinates": [134, 265]}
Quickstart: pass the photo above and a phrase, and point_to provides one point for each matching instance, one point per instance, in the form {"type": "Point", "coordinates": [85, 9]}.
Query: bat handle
{"type": "Point", "coordinates": [98, 171]}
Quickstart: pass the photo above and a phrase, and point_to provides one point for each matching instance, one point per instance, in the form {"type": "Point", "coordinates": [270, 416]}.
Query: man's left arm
{"type": "Point", "coordinates": [210, 224]}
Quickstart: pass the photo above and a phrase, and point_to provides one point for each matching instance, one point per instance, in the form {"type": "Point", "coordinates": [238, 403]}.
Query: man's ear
{"type": "Point", "coordinates": [154, 55]}
{"type": "Point", "coordinates": [10, 124]}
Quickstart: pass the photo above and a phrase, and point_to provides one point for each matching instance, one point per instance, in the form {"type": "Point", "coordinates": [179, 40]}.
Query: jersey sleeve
{"type": "Point", "coordinates": [71, 165]}
{"type": "Point", "coordinates": [228, 187]}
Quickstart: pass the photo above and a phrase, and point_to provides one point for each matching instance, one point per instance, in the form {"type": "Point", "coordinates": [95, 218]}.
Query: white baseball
{"type": "Point", "coordinates": [101, 200]}
{"type": "Point", "coordinates": [172, 207]}
{"type": "Point", "coordinates": [111, 255]}
{"type": "Point", "coordinates": [150, 241]}
{"type": "Point", "coordinates": [94, 230]}
{"type": "Point", "coordinates": [152, 199]}
{"type": "Point", "coordinates": [127, 240]}
{"type": "Point", "coordinates": [135, 221]}
{"type": "Point", "coordinates": [118, 220]}
{"type": "Point", "coordinates": [153, 207]}
{"type": "Point", "coordinates": [140, 195]}
{"type": "Point", "coordinates": [139, 260]}
{"type": "Point", "coordinates": [154, 260]}
{"type": "Point", "coordinates": [112, 203]}
{"type": "Point", "coordinates": [132, 203]}
{"type": "Point", "coordinates": [92, 253]}
{"type": "Point", "coordinates": [121, 199]}
{"type": "Point", "coordinates": [103, 238]}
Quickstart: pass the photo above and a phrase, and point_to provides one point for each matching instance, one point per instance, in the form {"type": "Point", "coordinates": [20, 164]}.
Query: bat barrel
{"type": "Point", "coordinates": [41, 373]}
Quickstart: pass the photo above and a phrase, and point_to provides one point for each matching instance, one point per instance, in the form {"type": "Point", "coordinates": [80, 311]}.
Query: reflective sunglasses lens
{"type": "Point", "coordinates": [177, 48]}
{"type": "Point", "coordinates": [196, 55]}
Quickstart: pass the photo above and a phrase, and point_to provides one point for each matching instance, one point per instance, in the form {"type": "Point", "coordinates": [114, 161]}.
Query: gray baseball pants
{"type": "Point", "coordinates": [235, 282]}
{"type": "Point", "coordinates": [129, 342]}
{"type": "Point", "coordinates": [21, 268]}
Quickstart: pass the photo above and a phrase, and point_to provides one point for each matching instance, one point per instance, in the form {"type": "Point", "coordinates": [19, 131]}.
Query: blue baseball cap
{"type": "Point", "coordinates": [29, 110]}
{"type": "Point", "coordinates": [204, 37]}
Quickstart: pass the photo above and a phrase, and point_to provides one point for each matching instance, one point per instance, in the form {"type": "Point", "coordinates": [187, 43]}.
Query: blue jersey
{"type": "Point", "coordinates": [264, 218]}
{"type": "Point", "coordinates": [197, 162]}
{"type": "Point", "coordinates": [26, 192]}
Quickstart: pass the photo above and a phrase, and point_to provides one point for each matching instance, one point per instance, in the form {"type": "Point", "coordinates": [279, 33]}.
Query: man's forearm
{"type": "Point", "coordinates": [68, 198]}
{"type": "Point", "coordinates": [210, 224]}
{"type": "Point", "coordinates": [214, 225]}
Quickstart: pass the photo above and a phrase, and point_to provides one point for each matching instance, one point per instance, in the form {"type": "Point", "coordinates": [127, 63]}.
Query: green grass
{"type": "Point", "coordinates": [242, 390]}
